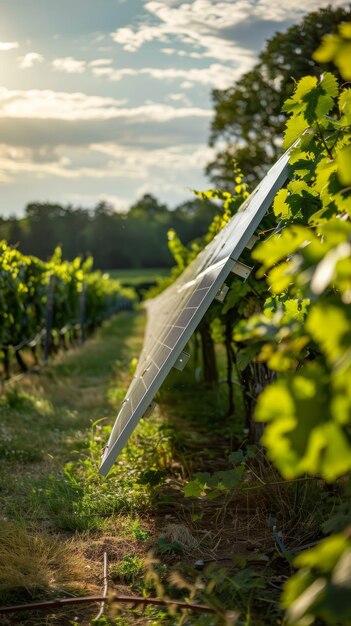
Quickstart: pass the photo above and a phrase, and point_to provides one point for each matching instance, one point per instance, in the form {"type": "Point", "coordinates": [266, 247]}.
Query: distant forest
{"type": "Point", "coordinates": [134, 239]}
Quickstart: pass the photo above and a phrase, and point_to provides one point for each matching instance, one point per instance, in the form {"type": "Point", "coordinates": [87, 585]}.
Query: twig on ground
{"type": "Point", "coordinates": [105, 591]}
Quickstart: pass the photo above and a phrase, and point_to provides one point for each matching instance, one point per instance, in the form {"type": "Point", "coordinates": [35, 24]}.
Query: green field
{"type": "Point", "coordinates": [140, 275]}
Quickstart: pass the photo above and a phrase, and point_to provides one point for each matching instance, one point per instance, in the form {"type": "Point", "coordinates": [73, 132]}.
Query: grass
{"type": "Point", "coordinates": [50, 421]}
{"type": "Point", "coordinates": [139, 275]}
{"type": "Point", "coordinates": [33, 564]}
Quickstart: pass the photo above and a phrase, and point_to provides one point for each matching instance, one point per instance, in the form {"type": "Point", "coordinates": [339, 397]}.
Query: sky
{"type": "Point", "coordinates": [111, 99]}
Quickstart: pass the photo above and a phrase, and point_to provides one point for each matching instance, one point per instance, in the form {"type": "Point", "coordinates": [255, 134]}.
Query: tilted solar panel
{"type": "Point", "coordinates": [174, 315]}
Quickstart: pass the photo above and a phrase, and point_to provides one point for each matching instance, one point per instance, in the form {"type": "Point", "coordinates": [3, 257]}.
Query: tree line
{"type": "Point", "coordinates": [134, 239]}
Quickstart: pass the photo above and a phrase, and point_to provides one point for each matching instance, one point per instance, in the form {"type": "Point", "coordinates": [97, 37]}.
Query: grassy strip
{"type": "Point", "coordinates": [57, 513]}
{"type": "Point", "coordinates": [137, 276]}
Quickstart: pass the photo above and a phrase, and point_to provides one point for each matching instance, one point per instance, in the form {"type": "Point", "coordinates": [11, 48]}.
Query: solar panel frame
{"type": "Point", "coordinates": [247, 219]}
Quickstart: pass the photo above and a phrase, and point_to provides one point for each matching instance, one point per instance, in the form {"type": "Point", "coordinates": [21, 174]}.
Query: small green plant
{"type": "Point", "coordinates": [133, 528]}
{"type": "Point", "coordinates": [138, 532]}
{"type": "Point", "coordinates": [166, 546]}
{"type": "Point", "coordinates": [128, 569]}
{"type": "Point", "coordinates": [211, 486]}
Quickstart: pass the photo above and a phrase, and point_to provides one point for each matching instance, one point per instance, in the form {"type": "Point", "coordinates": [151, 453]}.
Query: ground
{"type": "Point", "coordinates": [212, 543]}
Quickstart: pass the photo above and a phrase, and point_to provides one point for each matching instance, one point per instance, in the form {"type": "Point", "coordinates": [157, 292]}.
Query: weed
{"type": "Point", "coordinates": [78, 498]}
{"type": "Point", "coordinates": [134, 529]}
{"type": "Point", "coordinates": [138, 533]}
{"type": "Point", "coordinates": [165, 546]}
{"type": "Point", "coordinates": [128, 569]}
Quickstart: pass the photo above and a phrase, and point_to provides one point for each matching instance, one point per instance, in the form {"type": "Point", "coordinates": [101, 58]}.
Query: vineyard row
{"type": "Point", "coordinates": [49, 303]}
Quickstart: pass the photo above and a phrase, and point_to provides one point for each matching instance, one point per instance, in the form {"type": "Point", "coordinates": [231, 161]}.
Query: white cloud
{"type": "Point", "coordinates": [100, 62]}
{"type": "Point", "coordinates": [187, 84]}
{"type": "Point", "coordinates": [134, 159]}
{"type": "Point", "coordinates": [69, 65]}
{"type": "Point", "coordinates": [106, 161]}
{"type": "Point", "coordinates": [291, 9]}
{"type": "Point", "coordinates": [204, 25]}
{"type": "Point", "coordinates": [215, 75]}
{"type": "Point", "coordinates": [30, 59]}
{"type": "Point", "coordinates": [179, 97]}
{"type": "Point", "coordinates": [8, 45]}
{"type": "Point", "coordinates": [14, 161]}
{"type": "Point", "coordinates": [47, 104]}
{"type": "Point", "coordinates": [114, 74]}
{"type": "Point", "coordinates": [120, 205]}
{"type": "Point", "coordinates": [199, 24]}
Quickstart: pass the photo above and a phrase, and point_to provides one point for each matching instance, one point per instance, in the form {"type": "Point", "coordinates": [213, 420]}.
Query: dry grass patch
{"type": "Point", "coordinates": [33, 564]}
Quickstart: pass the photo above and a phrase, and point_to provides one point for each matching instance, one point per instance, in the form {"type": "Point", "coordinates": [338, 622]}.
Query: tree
{"type": "Point", "coordinates": [150, 208]}
{"type": "Point", "coordinates": [248, 114]}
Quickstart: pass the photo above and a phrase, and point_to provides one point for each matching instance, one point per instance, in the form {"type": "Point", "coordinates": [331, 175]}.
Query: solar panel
{"type": "Point", "coordinates": [173, 316]}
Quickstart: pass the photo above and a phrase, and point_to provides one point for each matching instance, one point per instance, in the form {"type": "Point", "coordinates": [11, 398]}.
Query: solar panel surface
{"type": "Point", "coordinates": [173, 316]}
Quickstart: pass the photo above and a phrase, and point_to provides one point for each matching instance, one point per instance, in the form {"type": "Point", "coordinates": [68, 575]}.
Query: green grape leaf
{"type": "Point", "coordinates": [329, 324]}
{"type": "Point", "coordinates": [280, 206]}
{"type": "Point", "coordinates": [333, 268]}
{"type": "Point", "coordinates": [337, 48]}
{"type": "Point", "coordinates": [236, 457]}
{"type": "Point", "coordinates": [303, 89]}
{"type": "Point", "coordinates": [342, 59]}
{"type": "Point", "coordinates": [295, 126]}
{"type": "Point", "coordinates": [295, 309]}
{"type": "Point", "coordinates": [193, 489]}
{"type": "Point", "coordinates": [310, 102]}
{"type": "Point", "coordinates": [280, 277]}
{"type": "Point", "coordinates": [257, 328]}
{"type": "Point", "coordinates": [303, 163]}
{"type": "Point", "coordinates": [329, 84]}
{"type": "Point", "coordinates": [327, 49]}
{"type": "Point", "coordinates": [246, 356]}
{"type": "Point", "coordinates": [344, 103]}
{"type": "Point", "coordinates": [237, 292]}
{"type": "Point", "coordinates": [320, 590]}
{"type": "Point", "coordinates": [296, 202]}
{"type": "Point", "coordinates": [324, 170]}
{"type": "Point", "coordinates": [279, 246]}
{"type": "Point", "coordinates": [300, 435]}
{"type": "Point", "coordinates": [344, 165]}
{"type": "Point", "coordinates": [228, 479]}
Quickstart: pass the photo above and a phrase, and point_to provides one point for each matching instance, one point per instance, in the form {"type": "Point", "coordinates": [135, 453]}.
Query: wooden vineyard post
{"type": "Point", "coordinates": [208, 355]}
{"type": "Point", "coordinates": [49, 317]}
{"type": "Point", "coordinates": [6, 362]}
{"type": "Point", "coordinates": [82, 301]}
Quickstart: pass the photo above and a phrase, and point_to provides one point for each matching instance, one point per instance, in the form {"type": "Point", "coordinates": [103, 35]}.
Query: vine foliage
{"type": "Point", "coordinates": [292, 321]}
{"type": "Point", "coordinates": [27, 284]}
